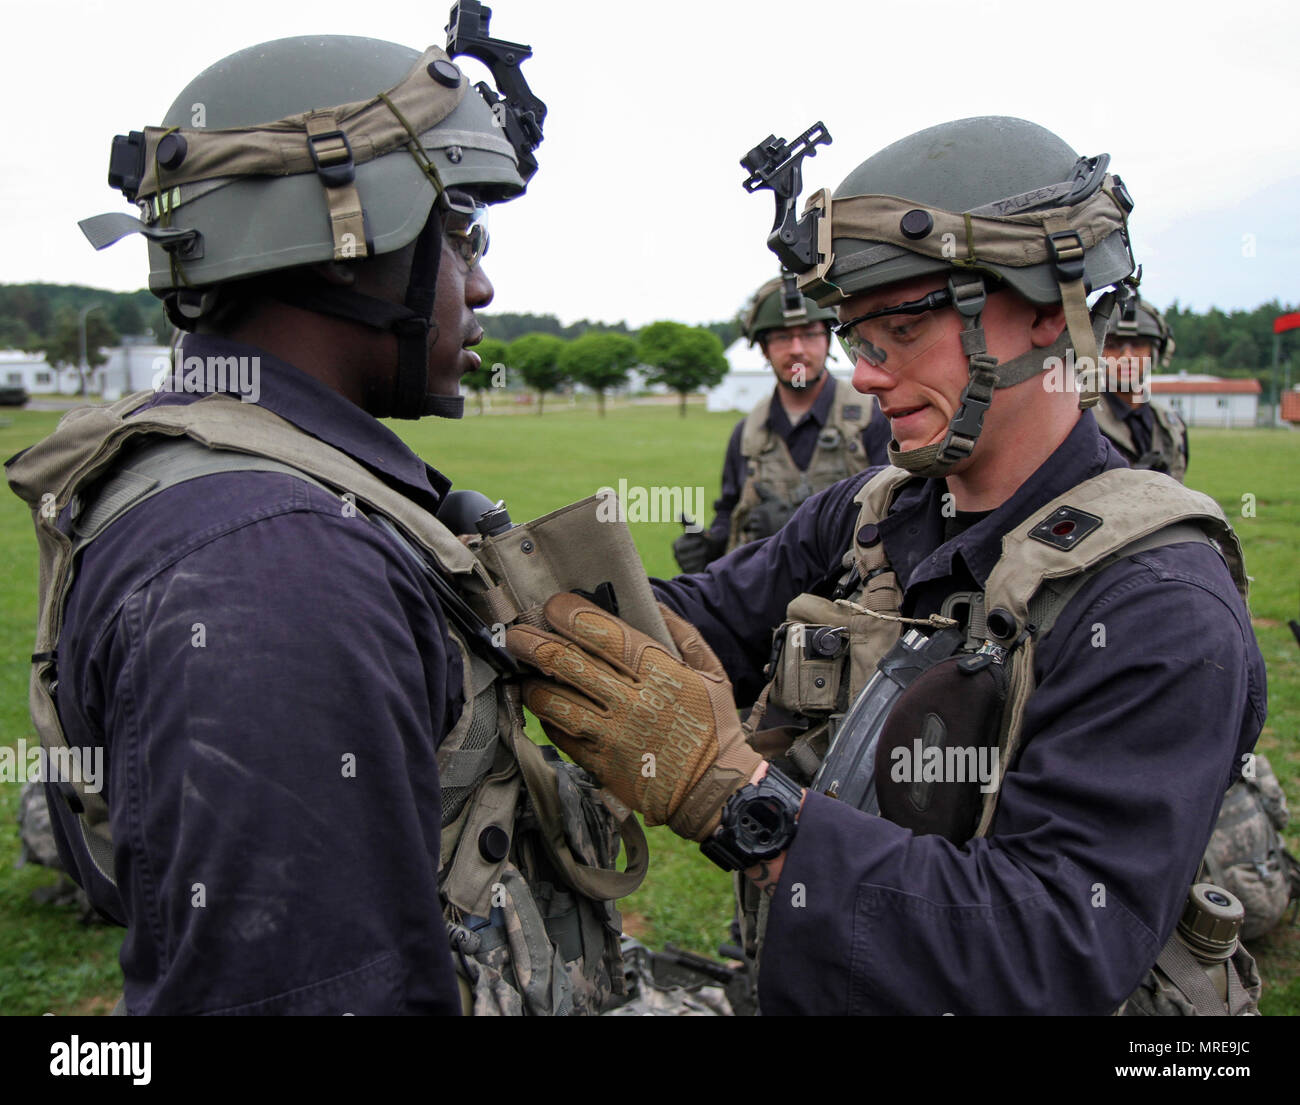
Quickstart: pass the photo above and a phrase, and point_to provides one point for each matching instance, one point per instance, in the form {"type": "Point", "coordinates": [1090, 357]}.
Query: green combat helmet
{"type": "Point", "coordinates": [991, 202]}
{"type": "Point", "coordinates": [315, 149]}
{"type": "Point", "coordinates": [778, 304]}
{"type": "Point", "coordinates": [1136, 318]}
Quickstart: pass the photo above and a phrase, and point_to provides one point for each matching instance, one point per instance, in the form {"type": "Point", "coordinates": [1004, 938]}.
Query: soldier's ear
{"type": "Point", "coordinates": [1048, 323]}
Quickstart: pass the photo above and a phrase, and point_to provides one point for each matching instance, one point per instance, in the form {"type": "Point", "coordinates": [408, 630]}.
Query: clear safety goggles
{"type": "Point", "coordinates": [892, 337]}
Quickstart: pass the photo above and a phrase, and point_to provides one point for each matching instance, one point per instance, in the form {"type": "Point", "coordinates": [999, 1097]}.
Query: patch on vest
{"type": "Point", "coordinates": [1065, 528]}
{"type": "Point", "coordinates": [851, 412]}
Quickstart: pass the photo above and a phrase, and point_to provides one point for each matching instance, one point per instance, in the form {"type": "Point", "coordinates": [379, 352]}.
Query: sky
{"type": "Point", "coordinates": [637, 211]}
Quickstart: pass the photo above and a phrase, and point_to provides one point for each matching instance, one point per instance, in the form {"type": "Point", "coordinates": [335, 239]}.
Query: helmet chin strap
{"type": "Point", "coordinates": [411, 399]}
{"type": "Point", "coordinates": [409, 322]}
{"type": "Point", "coordinates": [986, 376]}
{"type": "Point", "coordinates": [938, 459]}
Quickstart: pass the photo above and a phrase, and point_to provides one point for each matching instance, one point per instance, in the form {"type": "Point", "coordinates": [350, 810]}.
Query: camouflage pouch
{"type": "Point", "coordinates": [1247, 854]}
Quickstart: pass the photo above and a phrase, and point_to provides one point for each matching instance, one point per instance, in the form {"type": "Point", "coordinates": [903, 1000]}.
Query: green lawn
{"type": "Point", "coordinates": [50, 963]}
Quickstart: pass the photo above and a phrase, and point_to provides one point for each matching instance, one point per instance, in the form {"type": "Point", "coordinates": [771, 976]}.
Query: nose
{"type": "Point", "coordinates": [870, 379]}
{"type": "Point", "coordinates": [478, 288]}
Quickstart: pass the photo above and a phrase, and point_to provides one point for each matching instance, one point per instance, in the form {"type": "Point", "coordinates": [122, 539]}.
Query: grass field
{"type": "Point", "coordinates": [50, 963]}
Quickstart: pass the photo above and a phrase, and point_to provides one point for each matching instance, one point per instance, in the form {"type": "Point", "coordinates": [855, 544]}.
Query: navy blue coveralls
{"type": "Point", "coordinates": [270, 679]}
{"type": "Point", "coordinates": [1103, 818]}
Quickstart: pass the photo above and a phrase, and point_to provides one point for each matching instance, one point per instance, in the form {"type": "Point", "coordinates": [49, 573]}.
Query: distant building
{"type": "Point", "coordinates": [749, 377]}
{"type": "Point", "coordinates": [1291, 406]}
{"type": "Point", "coordinates": [132, 366]}
{"type": "Point", "coordinates": [135, 365]}
{"type": "Point", "coordinates": [1208, 400]}
{"type": "Point", "coordinates": [29, 371]}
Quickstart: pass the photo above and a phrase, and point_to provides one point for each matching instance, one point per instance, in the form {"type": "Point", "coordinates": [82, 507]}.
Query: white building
{"type": "Point", "coordinates": [131, 366]}
{"type": "Point", "coordinates": [135, 365]}
{"type": "Point", "coordinates": [749, 377]}
{"type": "Point", "coordinates": [28, 371]}
{"type": "Point", "coordinates": [1208, 400]}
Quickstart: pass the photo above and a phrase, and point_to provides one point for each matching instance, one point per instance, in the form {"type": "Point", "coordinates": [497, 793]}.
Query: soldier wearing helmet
{"type": "Point", "coordinates": [977, 815]}
{"type": "Point", "coordinates": [312, 766]}
{"type": "Point", "coordinates": [1147, 434]}
{"type": "Point", "coordinates": [809, 433]}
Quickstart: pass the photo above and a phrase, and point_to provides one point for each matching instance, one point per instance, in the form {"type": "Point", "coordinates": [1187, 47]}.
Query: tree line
{"type": "Point", "coordinates": [683, 358]}
{"type": "Point", "coordinates": [47, 318]}
{"type": "Point", "coordinates": [1231, 343]}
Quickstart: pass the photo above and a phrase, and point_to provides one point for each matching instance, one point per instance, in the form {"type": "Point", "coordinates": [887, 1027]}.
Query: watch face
{"type": "Point", "coordinates": [764, 826]}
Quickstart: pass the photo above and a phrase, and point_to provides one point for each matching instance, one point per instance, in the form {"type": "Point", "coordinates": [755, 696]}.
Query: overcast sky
{"type": "Point", "coordinates": [637, 212]}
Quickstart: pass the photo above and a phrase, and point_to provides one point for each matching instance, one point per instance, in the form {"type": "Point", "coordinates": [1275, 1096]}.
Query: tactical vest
{"type": "Point", "coordinates": [1168, 437]}
{"type": "Point", "coordinates": [528, 874]}
{"type": "Point", "coordinates": [828, 649]}
{"type": "Point", "coordinates": [771, 475]}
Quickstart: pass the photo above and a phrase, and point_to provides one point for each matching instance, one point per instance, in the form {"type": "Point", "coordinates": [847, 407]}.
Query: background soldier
{"type": "Point", "coordinates": [809, 433]}
{"type": "Point", "coordinates": [1148, 435]}
{"type": "Point", "coordinates": [314, 775]}
{"type": "Point", "coordinates": [1012, 538]}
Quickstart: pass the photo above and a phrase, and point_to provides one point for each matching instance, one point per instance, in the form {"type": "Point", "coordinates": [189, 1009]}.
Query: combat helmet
{"type": "Point", "coordinates": [778, 304]}
{"type": "Point", "coordinates": [1136, 318]}
{"type": "Point", "coordinates": [312, 149]}
{"type": "Point", "coordinates": [990, 201]}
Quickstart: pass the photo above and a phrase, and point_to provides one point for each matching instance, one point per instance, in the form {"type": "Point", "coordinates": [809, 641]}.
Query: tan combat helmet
{"type": "Point", "coordinates": [328, 148]}
{"type": "Point", "coordinates": [991, 201]}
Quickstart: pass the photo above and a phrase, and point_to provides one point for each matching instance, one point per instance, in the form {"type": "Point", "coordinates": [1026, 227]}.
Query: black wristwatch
{"type": "Point", "coordinates": [758, 823]}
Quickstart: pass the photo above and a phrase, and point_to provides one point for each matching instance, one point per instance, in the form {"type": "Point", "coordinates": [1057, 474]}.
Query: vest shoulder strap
{"type": "Point", "coordinates": [155, 468]}
{"type": "Point", "coordinates": [877, 494]}
{"type": "Point", "coordinates": [1113, 427]}
{"type": "Point", "coordinates": [756, 436]}
{"type": "Point", "coordinates": [1093, 523]}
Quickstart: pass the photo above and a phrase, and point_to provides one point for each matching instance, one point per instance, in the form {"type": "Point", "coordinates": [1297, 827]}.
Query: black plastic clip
{"type": "Point", "coordinates": [126, 163]}
{"type": "Point", "coordinates": [525, 114]}
{"type": "Point", "coordinates": [1067, 255]}
{"type": "Point", "coordinates": [1088, 175]}
{"type": "Point", "coordinates": [777, 164]}
{"type": "Point", "coordinates": [336, 171]}
{"type": "Point", "coordinates": [791, 299]}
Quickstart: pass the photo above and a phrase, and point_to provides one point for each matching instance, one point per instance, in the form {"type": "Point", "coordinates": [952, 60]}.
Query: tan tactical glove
{"type": "Point", "coordinates": [659, 732]}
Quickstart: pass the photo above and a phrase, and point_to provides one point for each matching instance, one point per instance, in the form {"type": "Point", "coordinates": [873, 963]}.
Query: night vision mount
{"type": "Point", "coordinates": [524, 113]}
{"type": "Point", "coordinates": [777, 164]}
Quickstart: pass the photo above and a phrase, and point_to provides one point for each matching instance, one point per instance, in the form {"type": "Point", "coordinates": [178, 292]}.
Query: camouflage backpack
{"type": "Point", "coordinates": [1247, 854]}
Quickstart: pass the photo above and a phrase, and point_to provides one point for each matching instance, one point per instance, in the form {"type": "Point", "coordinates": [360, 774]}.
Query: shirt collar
{"type": "Point", "coordinates": [1121, 410]}
{"type": "Point", "coordinates": [779, 422]}
{"type": "Point", "coordinates": [913, 529]}
{"type": "Point", "coordinates": [320, 411]}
